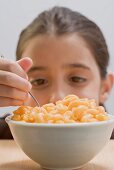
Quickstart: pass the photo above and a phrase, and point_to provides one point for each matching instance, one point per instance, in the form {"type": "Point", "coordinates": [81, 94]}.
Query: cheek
{"type": "Point", "coordinates": [92, 91]}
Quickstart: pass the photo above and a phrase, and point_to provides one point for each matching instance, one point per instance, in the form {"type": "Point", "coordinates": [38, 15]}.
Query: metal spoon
{"type": "Point", "coordinates": [34, 98]}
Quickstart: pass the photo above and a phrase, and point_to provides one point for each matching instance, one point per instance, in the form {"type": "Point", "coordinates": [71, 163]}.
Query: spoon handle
{"type": "Point", "coordinates": [34, 99]}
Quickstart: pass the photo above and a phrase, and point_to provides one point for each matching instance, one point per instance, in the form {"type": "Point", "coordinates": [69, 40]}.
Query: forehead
{"type": "Point", "coordinates": [59, 49]}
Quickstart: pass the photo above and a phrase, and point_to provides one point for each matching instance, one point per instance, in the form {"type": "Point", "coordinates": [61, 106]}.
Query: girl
{"type": "Point", "coordinates": [67, 55]}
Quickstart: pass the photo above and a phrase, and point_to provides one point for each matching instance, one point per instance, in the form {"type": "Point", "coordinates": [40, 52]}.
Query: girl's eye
{"type": "Point", "coordinates": [39, 82]}
{"type": "Point", "coordinates": [76, 79]}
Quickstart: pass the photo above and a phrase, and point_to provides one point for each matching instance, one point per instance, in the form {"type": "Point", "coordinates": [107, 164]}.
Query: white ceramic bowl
{"type": "Point", "coordinates": [61, 146]}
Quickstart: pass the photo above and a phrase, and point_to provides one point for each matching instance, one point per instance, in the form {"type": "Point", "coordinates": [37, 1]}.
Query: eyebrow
{"type": "Point", "coordinates": [37, 68]}
{"type": "Point", "coordinates": [76, 65]}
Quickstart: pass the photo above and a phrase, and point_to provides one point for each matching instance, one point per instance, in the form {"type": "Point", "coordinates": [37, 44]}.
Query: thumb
{"type": "Point", "coordinates": [25, 63]}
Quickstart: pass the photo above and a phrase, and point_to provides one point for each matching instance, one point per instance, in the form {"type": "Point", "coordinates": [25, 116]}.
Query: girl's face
{"type": "Point", "coordinates": [62, 65]}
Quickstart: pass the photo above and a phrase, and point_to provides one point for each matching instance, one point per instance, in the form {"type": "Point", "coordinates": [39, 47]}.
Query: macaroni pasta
{"type": "Point", "coordinates": [71, 109]}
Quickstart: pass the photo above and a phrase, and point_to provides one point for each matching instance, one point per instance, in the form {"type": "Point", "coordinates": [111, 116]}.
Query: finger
{"type": "Point", "coordinates": [25, 63]}
{"type": "Point", "coordinates": [13, 80]}
{"type": "Point", "coordinates": [14, 67]}
{"type": "Point", "coordinates": [4, 102]}
{"type": "Point", "coordinates": [14, 93]}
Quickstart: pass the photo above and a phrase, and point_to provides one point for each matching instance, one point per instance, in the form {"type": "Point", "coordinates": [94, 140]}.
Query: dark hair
{"type": "Point", "coordinates": [63, 21]}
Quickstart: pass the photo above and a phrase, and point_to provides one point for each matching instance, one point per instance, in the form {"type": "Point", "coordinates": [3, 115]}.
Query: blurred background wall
{"type": "Point", "coordinates": [15, 15]}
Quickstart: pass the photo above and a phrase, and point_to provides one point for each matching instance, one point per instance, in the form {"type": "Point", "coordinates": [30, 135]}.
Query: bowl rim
{"type": "Point", "coordinates": [100, 123]}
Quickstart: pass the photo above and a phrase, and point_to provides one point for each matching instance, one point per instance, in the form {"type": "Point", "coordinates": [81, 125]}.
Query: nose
{"type": "Point", "coordinates": [56, 96]}
{"type": "Point", "coordinates": [59, 89]}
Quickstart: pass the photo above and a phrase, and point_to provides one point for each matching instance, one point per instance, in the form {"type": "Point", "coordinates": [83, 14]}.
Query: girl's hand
{"type": "Point", "coordinates": [14, 84]}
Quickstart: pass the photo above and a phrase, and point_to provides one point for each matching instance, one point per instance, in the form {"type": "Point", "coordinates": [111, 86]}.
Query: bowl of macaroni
{"type": "Point", "coordinates": [65, 135]}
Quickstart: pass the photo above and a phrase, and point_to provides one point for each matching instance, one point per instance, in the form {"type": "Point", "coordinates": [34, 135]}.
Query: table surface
{"type": "Point", "coordinates": [13, 158]}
